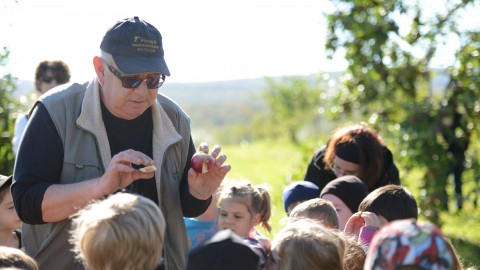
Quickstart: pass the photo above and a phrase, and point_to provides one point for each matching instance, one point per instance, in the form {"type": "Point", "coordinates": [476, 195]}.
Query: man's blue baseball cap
{"type": "Point", "coordinates": [136, 47]}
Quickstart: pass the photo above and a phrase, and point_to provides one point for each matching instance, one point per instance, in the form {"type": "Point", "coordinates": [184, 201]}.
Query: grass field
{"type": "Point", "coordinates": [274, 163]}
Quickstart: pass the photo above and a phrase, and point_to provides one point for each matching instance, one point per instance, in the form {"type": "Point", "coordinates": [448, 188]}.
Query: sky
{"type": "Point", "coordinates": [210, 40]}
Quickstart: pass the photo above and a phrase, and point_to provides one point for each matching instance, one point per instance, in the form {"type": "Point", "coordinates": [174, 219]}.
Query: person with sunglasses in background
{"type": "Point", "coordinates": [90, 140]}
{"type": "Point", "coordinates": [47, 75]}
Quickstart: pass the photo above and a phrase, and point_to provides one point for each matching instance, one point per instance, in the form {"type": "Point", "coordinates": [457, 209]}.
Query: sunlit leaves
{"type": "Point", "coordinates": [389, 46]}
{"type": "Point", "coordinates": [7, 107]}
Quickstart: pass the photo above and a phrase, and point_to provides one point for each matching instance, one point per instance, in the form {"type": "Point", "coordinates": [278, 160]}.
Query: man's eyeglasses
{"type": "Point", "coordinates": [46, 79]}
{"type": "Point", "coordinates": [154, 81]}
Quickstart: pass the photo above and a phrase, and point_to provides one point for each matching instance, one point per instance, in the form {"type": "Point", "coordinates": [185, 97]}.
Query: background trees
{"type": "Point", "coordinates": [390, 47]}
{"type": "Point", "coordinates": [7, 106]}
{"type": "Point", "coordinates": [293, 103]}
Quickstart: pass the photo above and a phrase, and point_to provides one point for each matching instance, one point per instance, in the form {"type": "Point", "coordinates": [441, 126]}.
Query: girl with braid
{"type": "Point", "coordinates": [243, 206]}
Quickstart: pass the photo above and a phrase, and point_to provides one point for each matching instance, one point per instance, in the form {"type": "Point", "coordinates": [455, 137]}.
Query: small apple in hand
{"type": "Point", "coordinates": [201, 161]}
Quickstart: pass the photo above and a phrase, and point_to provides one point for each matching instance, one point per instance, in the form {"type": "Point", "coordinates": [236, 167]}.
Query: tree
{"type": "Point", "coordinates": [390, 46]}
{"type": "Point", "coordinates": [292, 104]}
{"type": "Point", "coordinates": [7, 107]}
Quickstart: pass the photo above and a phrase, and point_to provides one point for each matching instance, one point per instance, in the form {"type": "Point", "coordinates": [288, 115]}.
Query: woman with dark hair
{"type": "Point", "coordinates": [354, 150]}
{"type": "Point", "coordinates": [48, 74]}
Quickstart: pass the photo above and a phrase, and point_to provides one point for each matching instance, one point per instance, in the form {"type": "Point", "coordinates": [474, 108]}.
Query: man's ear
{"type": "Point", "coordinates": [99, 69]}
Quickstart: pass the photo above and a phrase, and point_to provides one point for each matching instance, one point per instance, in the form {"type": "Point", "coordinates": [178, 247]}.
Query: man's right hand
{"type": "Point", "coordinates": [120, 173]}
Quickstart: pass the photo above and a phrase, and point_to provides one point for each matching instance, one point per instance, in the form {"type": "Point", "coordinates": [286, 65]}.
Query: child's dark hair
{"type": "Point", "coordinates": [392, 202]}
{"type": "Point", "coordinates": [256, 198]}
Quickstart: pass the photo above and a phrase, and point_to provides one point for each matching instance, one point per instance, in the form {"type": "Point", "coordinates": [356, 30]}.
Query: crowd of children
{"type": "Point", "coordinates": [126, 231]}
{"type": "Point", "coordinates": [344, 225]}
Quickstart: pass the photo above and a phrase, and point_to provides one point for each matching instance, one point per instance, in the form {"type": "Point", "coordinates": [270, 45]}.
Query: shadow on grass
{"type": "Point", "coordinates": [468, 252]}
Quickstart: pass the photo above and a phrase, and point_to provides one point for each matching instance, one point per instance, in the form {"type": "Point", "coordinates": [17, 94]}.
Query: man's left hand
{"type": "Point", "coordinates": [203, 185]}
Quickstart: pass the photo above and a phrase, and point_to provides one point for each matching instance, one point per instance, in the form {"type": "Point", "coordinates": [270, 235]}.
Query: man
{"type": "Point", "coordinates": [87, 141]}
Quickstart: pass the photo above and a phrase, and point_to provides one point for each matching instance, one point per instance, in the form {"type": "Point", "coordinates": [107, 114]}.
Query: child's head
{"type": "Point", "coordinates": [14, 258]}
{"type": "Point", "coordinates": [8, 216]}
{"type": "Point", "coordinates": [345, 193]}
{"type": "Point", "coordinates": [224, 250]}
{"type": "Point", "coordinates": [411, 244]}
{"type": "Point", "coordinates": [391, 202]}
{"type": "Point", "coordinates": [308, 244]}
{"type": "Point", "coordinates": [123, 231]}
{"type": "Point", "coordinates": [297, 192]}
{"type": "Point", "coordinates": [318, 209]}
{"type": "Point", "coordinates": [242, 207]}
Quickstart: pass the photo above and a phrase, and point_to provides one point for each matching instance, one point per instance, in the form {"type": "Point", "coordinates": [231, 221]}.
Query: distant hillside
{"type": "Point", "coordinates": [213, 92]}
{"type": "Point", "coordinates": [214, 105]}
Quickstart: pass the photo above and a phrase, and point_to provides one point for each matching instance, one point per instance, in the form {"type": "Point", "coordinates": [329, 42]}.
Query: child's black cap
{"type": "Point", "coordinates": [225, 250]}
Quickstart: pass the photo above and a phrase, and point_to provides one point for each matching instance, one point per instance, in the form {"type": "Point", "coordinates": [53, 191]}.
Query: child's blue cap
{"type": "Point", "coordinates": [299, 191]}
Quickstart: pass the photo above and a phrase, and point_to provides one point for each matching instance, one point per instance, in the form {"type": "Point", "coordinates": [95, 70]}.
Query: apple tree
{"type": "Point", "coordinates": [394, 50]}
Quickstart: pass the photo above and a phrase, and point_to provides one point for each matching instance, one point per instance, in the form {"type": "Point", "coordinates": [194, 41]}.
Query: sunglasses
{"type": "Point", "coordinates": [154, 81]}
{"type": "Point", "coordinates": [46, 79]}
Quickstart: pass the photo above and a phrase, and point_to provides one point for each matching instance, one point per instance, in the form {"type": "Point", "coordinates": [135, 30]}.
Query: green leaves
{"type": "Point", "coordinates": [390, 47]}
{"type": "Point", "coordinates": [7, 108]}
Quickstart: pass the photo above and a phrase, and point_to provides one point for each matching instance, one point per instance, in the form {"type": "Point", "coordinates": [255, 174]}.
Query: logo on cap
{"type": "Point", "coordinates": [145, 45]}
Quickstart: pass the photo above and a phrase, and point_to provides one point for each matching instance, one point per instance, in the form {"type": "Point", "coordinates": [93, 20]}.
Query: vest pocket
{"type": "Point", "coordinates": [74, 172]}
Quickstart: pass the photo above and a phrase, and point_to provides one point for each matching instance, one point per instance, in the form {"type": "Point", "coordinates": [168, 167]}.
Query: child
{"type": "Point", "coordinates": [14, 258]}
{"type": "Point", "coordinates": [318, 209]}
{"type": "Point", "coordinates": [242, 207]}
{"type": "Point", "coordinates": [411, 244]}
{"type": "Point", "coordinates": [10, 223]}
{"type": "Point", "coordinates": [224, 250]}
{"type": "Point", "coordinates": [385, 204]}
{"type": "Point", "coordinates": [204, 226]}
{"type": "Point", "coordinates": [297, 192]}
{"type": "Point", "coordinates": [123, 231]}
{"type": "Point", "coordinates": [345, 193]}
{"type": "Point", "coordinates": [308, 244]}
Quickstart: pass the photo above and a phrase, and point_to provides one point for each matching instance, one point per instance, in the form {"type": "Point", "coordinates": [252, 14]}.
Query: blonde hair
{"type": "Point", "coordinates": [319, 209]}
{"type": "Point", "coordinates": [123, 231]}
{"type": "Point", "coordinates": [308, 244]}
{"type": "Point", "coordinates": [16, 259]}
{"type": "Point", "coordinates": [354, 256]}
{"type": "Point", "coordinates": [255, 198]}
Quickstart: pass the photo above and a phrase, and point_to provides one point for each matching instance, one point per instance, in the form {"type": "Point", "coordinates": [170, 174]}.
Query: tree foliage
{"type": "Point", "coordinates": [7, 107]}
{"type": "Point", "coordinates": [292, 104]}
{"type": "Point", "coordinates": [390, 47]}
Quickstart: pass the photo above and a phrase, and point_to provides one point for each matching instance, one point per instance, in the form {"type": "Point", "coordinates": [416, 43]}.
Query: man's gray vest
{"type": "Point", "coordinates": [76, 113]}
